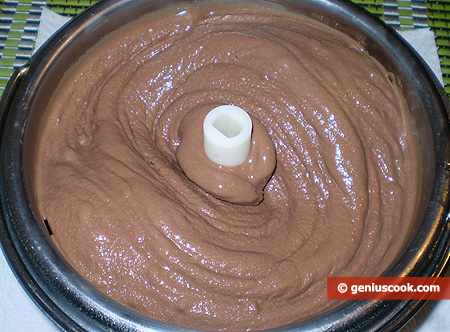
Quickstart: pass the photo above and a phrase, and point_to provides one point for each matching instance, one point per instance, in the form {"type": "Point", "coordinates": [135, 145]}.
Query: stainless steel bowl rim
{"type": "Point", "coordinates": [76, 306]}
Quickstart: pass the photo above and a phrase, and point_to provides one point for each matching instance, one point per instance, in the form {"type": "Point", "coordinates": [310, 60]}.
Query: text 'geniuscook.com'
{"type": "Point", "coordinates": [388, 288]}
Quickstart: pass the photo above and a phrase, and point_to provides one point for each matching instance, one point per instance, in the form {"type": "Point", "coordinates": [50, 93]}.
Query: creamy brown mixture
{"type": "Point", "coordinates": [128, 218]}
{"type": "Point", "coordinates": [242, 184]}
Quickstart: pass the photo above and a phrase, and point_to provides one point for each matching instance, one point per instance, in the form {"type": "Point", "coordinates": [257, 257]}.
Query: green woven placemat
{"type": "Point", "coordinates": [19, 21]}
{"type": "Point", "coordinates": [439, 20]}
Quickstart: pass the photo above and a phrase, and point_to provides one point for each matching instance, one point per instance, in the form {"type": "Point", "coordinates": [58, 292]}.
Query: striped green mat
{"type": "Point", "coordinates": [19, 21]}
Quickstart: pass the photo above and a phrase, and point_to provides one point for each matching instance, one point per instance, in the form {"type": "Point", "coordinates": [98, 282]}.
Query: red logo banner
{"type": "Point", "coordinates": [388, 288]}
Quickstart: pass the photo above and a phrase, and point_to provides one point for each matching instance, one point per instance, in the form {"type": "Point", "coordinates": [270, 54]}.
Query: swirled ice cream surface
{"type": "Point", "coordinates": [329, 190]}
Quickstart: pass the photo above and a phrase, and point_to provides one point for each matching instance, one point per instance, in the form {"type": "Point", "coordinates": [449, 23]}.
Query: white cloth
{"type": "Point", "coordinates": [18, 312]}
{"type": "Point", "coordinates": [49, 23]}
{"type": "Point", "coordinates": [422, 40]}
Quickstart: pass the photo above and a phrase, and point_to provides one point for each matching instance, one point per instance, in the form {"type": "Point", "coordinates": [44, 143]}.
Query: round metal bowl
{"type": "Point", "coordinates": [75, 305]}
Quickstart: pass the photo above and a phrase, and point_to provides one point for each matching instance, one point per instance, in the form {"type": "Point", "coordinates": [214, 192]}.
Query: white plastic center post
{"type": "Point", "coordinates": [227, 133]}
